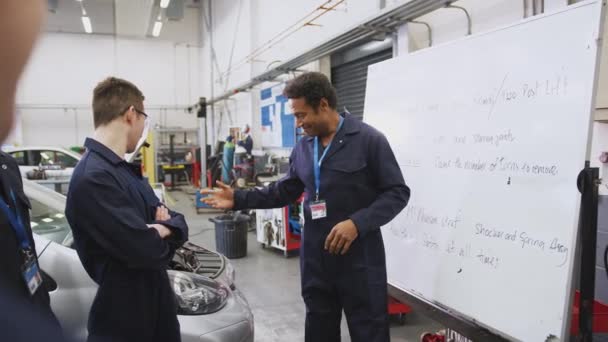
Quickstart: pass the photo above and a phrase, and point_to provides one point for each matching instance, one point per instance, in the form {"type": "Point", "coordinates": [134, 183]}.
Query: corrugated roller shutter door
{"type": "Point", "coordinates": [350, 79]}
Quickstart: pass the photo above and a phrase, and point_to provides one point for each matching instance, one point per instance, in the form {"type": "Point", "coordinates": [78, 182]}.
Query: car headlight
{"type": "Point", "coordinates": [197, 295]}
{"type": "Point", "coordinates": [230, 273]}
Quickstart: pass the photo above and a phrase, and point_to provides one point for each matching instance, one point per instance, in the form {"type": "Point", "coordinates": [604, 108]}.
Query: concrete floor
{"type": "Point", "coordinates": [271, 284]}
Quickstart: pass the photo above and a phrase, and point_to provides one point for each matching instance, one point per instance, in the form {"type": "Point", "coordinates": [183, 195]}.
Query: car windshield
{"type": "Point", "coordinates": [49, 223]}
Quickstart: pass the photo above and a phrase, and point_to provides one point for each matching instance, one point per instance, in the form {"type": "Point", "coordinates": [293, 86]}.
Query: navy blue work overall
{"type": "Point", "coordinates": [359, 180]}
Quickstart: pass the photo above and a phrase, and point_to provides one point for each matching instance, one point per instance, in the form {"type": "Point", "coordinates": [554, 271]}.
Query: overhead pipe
{"type": "Point", "coordinates": [428, 28]}
{"type": "Point", "coordinates": [469, 21]}
{"type": "Point", "coordinates": [303, 22]}
{"type": "Point", "coordinates": [387, 18]}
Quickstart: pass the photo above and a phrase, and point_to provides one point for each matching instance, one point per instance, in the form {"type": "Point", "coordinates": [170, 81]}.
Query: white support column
{"type": "Point", "coordinates": [402, 42]}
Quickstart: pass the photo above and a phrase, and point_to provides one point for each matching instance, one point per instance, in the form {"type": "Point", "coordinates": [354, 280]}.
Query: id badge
{"type": "Point", "coordinates": [31, 275]}
{"type": "Point", "coordinates": [318, 209]}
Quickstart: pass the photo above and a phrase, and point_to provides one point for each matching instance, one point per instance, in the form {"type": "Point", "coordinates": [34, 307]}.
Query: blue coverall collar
{"type": "Point", "coordinates": [102, 150]}
{"type": "Point", "coordinates": [351, 125]}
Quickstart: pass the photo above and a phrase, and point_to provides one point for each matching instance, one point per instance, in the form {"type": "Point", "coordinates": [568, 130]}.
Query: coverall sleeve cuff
{"type": "Point", "coordinates": [177, 235]}
{"type": "Point", "coordinates": [360, 223]}
{"type": "Point", "coordinates": [240, 200]}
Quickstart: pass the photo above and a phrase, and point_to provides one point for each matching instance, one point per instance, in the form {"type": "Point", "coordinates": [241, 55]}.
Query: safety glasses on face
{"type": "Point", "coordinates": [141, 112]}
{"type": "Point", "coordinates": [137, 111]}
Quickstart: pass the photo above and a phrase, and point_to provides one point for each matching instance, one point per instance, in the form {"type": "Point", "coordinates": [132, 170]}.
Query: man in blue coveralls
{"type": "Point", "coordinates": [353, 185]}
{"type": "Point", "coordinates": [124, 236]}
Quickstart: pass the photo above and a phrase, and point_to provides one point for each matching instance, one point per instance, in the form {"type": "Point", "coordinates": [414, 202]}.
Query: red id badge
{"type": "Point", "coordinates": [318, 209]}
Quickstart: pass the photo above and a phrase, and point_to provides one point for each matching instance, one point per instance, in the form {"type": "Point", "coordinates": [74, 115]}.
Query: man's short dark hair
{"type": "Point", "coordinates": [112, 97]}
{"type": "Point", "coordinates": [312, 86]}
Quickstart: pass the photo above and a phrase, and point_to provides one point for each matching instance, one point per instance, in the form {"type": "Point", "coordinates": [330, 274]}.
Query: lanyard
{"type": "Point", "coordinates": [318, 162]}
{"type": "Point", "coordinates": [16, 222]}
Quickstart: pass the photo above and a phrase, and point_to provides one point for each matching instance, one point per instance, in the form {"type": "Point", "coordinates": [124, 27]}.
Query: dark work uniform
{"type": "Point", "coordinates": [12, 284]}
{"type": "Point", "coordinates": [109, 207]}
{"type": "Point", "coordinates": [361, 181]}
{"type": "Point", "coordinates": [20, 321]}
{"type": "Point", "coordinates": [247, 144]}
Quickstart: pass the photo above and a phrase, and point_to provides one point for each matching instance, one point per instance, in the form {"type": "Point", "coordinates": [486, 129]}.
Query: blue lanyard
{"type": "Point", "coordinates": [318, 162]}
{"type": "Point", "coordinates": [16, 222]}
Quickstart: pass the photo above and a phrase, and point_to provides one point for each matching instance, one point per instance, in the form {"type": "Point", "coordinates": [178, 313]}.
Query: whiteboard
{"type": "Point", "coordinates": [491, 132]}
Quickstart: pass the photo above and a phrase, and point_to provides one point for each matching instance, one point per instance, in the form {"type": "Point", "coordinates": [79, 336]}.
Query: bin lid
{"type": "Point", "coordinates": [232, 218]}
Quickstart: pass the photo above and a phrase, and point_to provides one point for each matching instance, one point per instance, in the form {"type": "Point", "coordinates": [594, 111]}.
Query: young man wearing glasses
{"type": "Point", "coordinates": [124, 236]}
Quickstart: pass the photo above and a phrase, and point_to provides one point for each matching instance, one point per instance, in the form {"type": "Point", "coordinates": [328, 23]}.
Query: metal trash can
{"type": "Point", "coordinates": [231, 234]}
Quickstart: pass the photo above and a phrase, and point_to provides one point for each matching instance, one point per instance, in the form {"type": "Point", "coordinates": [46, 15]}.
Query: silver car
{"type": "Point", "coordinates": [210, 307]}
{"type": "Point", "coordinates": [60, 161]}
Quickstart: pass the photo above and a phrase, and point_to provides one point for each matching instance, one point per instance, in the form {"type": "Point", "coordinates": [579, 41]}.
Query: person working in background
{"type": "Point", "coordinates": [244, 163]}
{"type": "Point", "coordinates": [246, 141]}
{"type": "Point", "coordinates": [124, 236]}
{"type": "Point", "coordinates": [228, 160]}
{"type": "Point", "coordinates": [353, 186]}
{"type": "Point", "coordinates": [25, 312]}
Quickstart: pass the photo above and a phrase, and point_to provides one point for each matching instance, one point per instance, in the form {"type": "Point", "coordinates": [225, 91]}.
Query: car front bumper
{"type": "Point", "coordinates": [234, 322]}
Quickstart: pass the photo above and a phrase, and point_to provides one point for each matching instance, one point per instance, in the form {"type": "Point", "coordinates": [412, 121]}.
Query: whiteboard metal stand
{"type": "Point", "coordinates": [587, 183]}
{"type": "Point", "coordinates": [444, 316]}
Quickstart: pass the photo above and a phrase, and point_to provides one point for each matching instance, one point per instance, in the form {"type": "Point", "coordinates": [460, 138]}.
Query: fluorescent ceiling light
{"type": "Point", "coordinates": [47, 220]}
{"type": "Point", "coordinates": [164, 3]}
{"type": "Point", "coordinates": [86, 22]}
{"type": "Point", "coordinates": [157, 27]}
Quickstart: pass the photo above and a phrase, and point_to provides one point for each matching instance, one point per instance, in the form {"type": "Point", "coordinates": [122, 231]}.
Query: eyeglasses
{"type": "Point", "coordinates": [141, 112]}
{"type": "Point", "coordinates": [136, 110]}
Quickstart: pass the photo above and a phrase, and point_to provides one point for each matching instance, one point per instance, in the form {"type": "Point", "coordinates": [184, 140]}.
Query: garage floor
{"type": "Point", "coordinates": [271, 284]}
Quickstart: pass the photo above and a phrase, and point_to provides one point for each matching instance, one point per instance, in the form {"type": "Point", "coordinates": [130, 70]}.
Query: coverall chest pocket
{"type": "Point", "coordinates": [349, 172]}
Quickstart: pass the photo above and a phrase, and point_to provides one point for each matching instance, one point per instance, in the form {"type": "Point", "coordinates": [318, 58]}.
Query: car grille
{"type": "Point", "coordinates": [199, 260]}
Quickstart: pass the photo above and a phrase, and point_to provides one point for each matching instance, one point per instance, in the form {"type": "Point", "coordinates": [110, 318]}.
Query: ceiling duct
{"type": "Point", "coordinates": [132, 18]}
{"type": "Point", "coordinates": [175, 11]}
